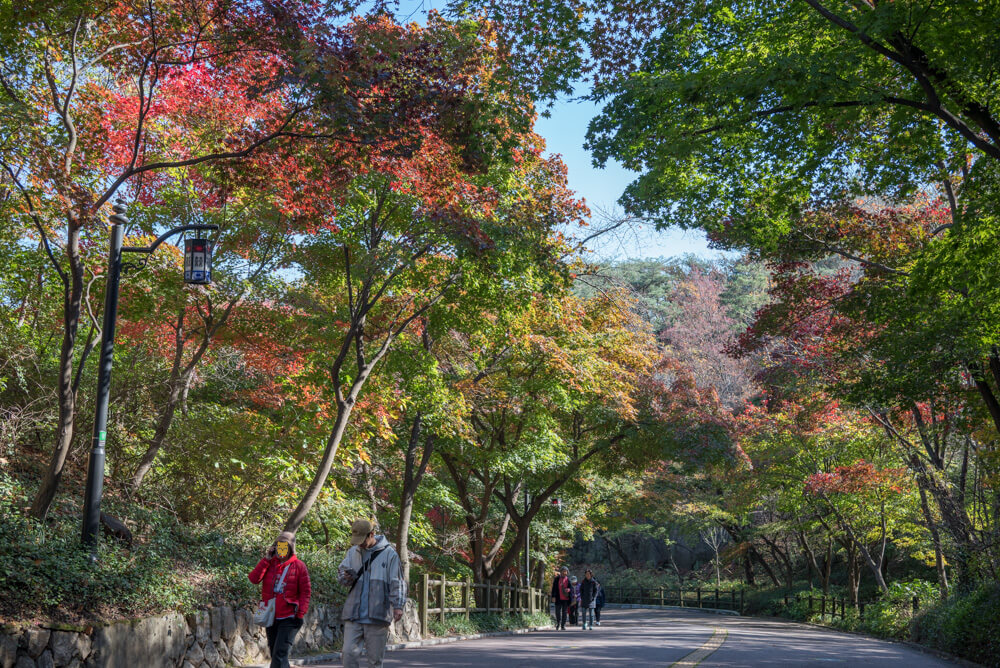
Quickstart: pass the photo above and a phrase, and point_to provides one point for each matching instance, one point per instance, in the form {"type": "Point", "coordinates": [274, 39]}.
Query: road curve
{"type": "Point", "coordinates": [667, 638]}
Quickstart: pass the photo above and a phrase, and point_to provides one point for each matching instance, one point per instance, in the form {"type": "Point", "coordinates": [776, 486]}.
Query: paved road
{"type": "Point", "coordinates": [665, 638]}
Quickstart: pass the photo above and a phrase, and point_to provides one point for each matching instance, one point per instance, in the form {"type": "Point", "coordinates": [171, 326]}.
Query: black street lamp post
{"type": "Point", "coordinates": [198, 253]}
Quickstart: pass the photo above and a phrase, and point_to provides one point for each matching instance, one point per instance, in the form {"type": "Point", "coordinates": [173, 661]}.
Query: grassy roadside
{"type": "Point", "coordinates": [458, 625]}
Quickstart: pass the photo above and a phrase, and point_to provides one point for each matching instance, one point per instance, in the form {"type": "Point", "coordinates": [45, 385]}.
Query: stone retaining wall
{"type": "Point", "coordinates": [212, 638]}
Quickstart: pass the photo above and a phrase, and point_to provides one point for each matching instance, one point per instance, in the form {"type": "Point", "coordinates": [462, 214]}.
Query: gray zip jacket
{"type": "Point", "coordinates": [386, 587]}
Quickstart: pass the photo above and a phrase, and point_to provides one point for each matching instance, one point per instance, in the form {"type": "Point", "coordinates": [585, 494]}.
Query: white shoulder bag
{"type": "Point", "coordinates": [264, 615]}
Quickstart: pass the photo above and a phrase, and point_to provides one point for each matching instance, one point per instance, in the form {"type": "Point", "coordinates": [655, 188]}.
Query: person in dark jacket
{"type": "Point", "coordinates": [588, 599]}
{"type": "Point", "coordinates": [599, 603]}
{"type": "Point", "coordinates": [291, 596]}
{"type": "Point", "coordinates": [562, 595]}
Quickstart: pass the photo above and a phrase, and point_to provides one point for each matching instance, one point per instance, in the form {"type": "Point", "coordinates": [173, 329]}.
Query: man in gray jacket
{"type": "Point", "coordinates": [376, 595]}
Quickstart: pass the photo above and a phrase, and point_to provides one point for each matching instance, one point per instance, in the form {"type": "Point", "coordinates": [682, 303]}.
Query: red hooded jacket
{"type": "Point", "coordinates": [298, 589]}
{"type": "Point", "coordinates": [561, 590]}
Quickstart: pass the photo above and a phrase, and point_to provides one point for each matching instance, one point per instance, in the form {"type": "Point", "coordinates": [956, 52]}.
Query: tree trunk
{"type": "Point", "coordinates": [936, 539]}
{"type": "Point", "coordinates": [874, 566]}
{"type": "Point", "coordinates": [767, 567]}
{"type": "Point", "coordinates": [827, 566]}
{"type": "Point", "coordinates": [72, 301]}
{"type": "Point", "coordinates": [748, 567]}
{"type": "Point", "coordinates": [616, 543]}
{"type": "Point", "coordinates": [166, 418]}
{"type": "Point", "coordinates": [369, 485]}
{"type": "Point", "coordinates": [298, 515]}
{"type": "Point", "coordinates": [955, 520]}
{"type": "Point", "coordinates": [853, 572]}
{"type": "Point", "coordinates": [412, 477]}
{"type": "Point", "coordinates": [809, 556]}
{"type": "Point", "coordinates": [539, 577]}
{"type": "Point", "coordinates": [782, 557]}
{"type": "Point", "coordinates": [179, 379]}
{"type": "Point", "coordinates": [607, 547]}
{"type": "Point", "coordinates": [406, 500]}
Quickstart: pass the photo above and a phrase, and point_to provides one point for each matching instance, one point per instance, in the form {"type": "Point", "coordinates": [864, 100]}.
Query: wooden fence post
{"type": "Point", "coordinates": [661, 596]}
{"type": "Point", "coordinates": [698, 590]}
{"type": "Point", "coordinates": [422, 604]}
{"type": "Point", "coordinates": [822, 606]}
{"type": "Point", "coordinates": [810, 603]}
{"type": "Point", "coordinates": [468, 600]}
{"type": "Point", "coordinates": [716, 604]}
{"type": "Point", "coordinates": [732, 597]}
{"type": "Point", "coordinates": [489, 597]}
{"type": "Point", "coordinates": [444, 597]}
{"type": "Point", "coordinates": [742, 604]}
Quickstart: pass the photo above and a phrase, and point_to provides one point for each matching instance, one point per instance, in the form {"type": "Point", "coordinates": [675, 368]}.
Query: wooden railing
{"type": "Point", "coordinates": [835, 607]}
{"type": "Point", "coordinates": [714, 599]}
{"type": "Point", "coordinates": [729, 599]}
{"type": "Point", "coordinates": [474, 597]}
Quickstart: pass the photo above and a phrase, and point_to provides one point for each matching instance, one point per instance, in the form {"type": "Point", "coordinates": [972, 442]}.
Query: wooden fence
{"type": "Point", "coordinates": [729, 600]}
{"type": "Point", "coordinates": [835, 607]}
{"type": "Point", "coordinates": [473, 597]}
{"type": "Point", "coordinates": [698, 597]}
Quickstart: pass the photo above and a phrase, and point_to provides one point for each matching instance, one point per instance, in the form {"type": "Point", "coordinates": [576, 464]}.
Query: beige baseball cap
{"type": "Point", "coordinates": [360, 530]}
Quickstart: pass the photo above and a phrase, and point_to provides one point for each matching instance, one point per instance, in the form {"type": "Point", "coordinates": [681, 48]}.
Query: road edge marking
{"type": "Point", "coordinates": [703, 652]}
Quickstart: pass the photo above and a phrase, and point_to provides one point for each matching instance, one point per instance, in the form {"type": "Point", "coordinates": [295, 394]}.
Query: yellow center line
{"type": "Point", "coordinates": [703, 652]}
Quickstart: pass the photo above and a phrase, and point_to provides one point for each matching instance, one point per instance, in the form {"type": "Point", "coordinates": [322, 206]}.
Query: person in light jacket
{"type": "Point", "coordinates": [376, 595]}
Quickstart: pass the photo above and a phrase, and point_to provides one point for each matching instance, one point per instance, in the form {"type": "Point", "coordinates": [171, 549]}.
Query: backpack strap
{"type": "Point", "coordinates": [364, 568]}
{"type": "Point", "coordinates": [281, 581]}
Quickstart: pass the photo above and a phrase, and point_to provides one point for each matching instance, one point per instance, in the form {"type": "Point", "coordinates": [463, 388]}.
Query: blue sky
{"type": "Point", "coordinates": [564, 133]}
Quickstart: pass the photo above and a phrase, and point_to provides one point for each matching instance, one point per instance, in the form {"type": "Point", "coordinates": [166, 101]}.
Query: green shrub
{"type": "Point", "coordinates": [457, 624]}
{"type": "Point", "coordinates": [44, 572]}
{"type": "Point", "coordinates": [890, 616]}
{"type": "Point", "coordinates": [964, 625]}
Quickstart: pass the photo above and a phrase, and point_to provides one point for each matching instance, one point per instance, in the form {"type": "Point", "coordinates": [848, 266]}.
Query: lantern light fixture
{"type": "Point", "coordinates": [197, 261]}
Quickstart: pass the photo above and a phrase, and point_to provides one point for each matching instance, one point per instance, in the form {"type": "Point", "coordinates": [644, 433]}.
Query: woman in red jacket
{"type": "Point", "coordinates": [291, 596]}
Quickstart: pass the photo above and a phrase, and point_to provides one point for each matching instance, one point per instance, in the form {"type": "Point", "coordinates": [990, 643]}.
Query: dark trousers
{"type": "Point", "coordinates": [562, 607]}
{"type": "Point", "coordinates": [280, 637]}
{"type": "Point", "coordinates": [574, 613]}
{"type": "Point", "coordinates": [597, 614]}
